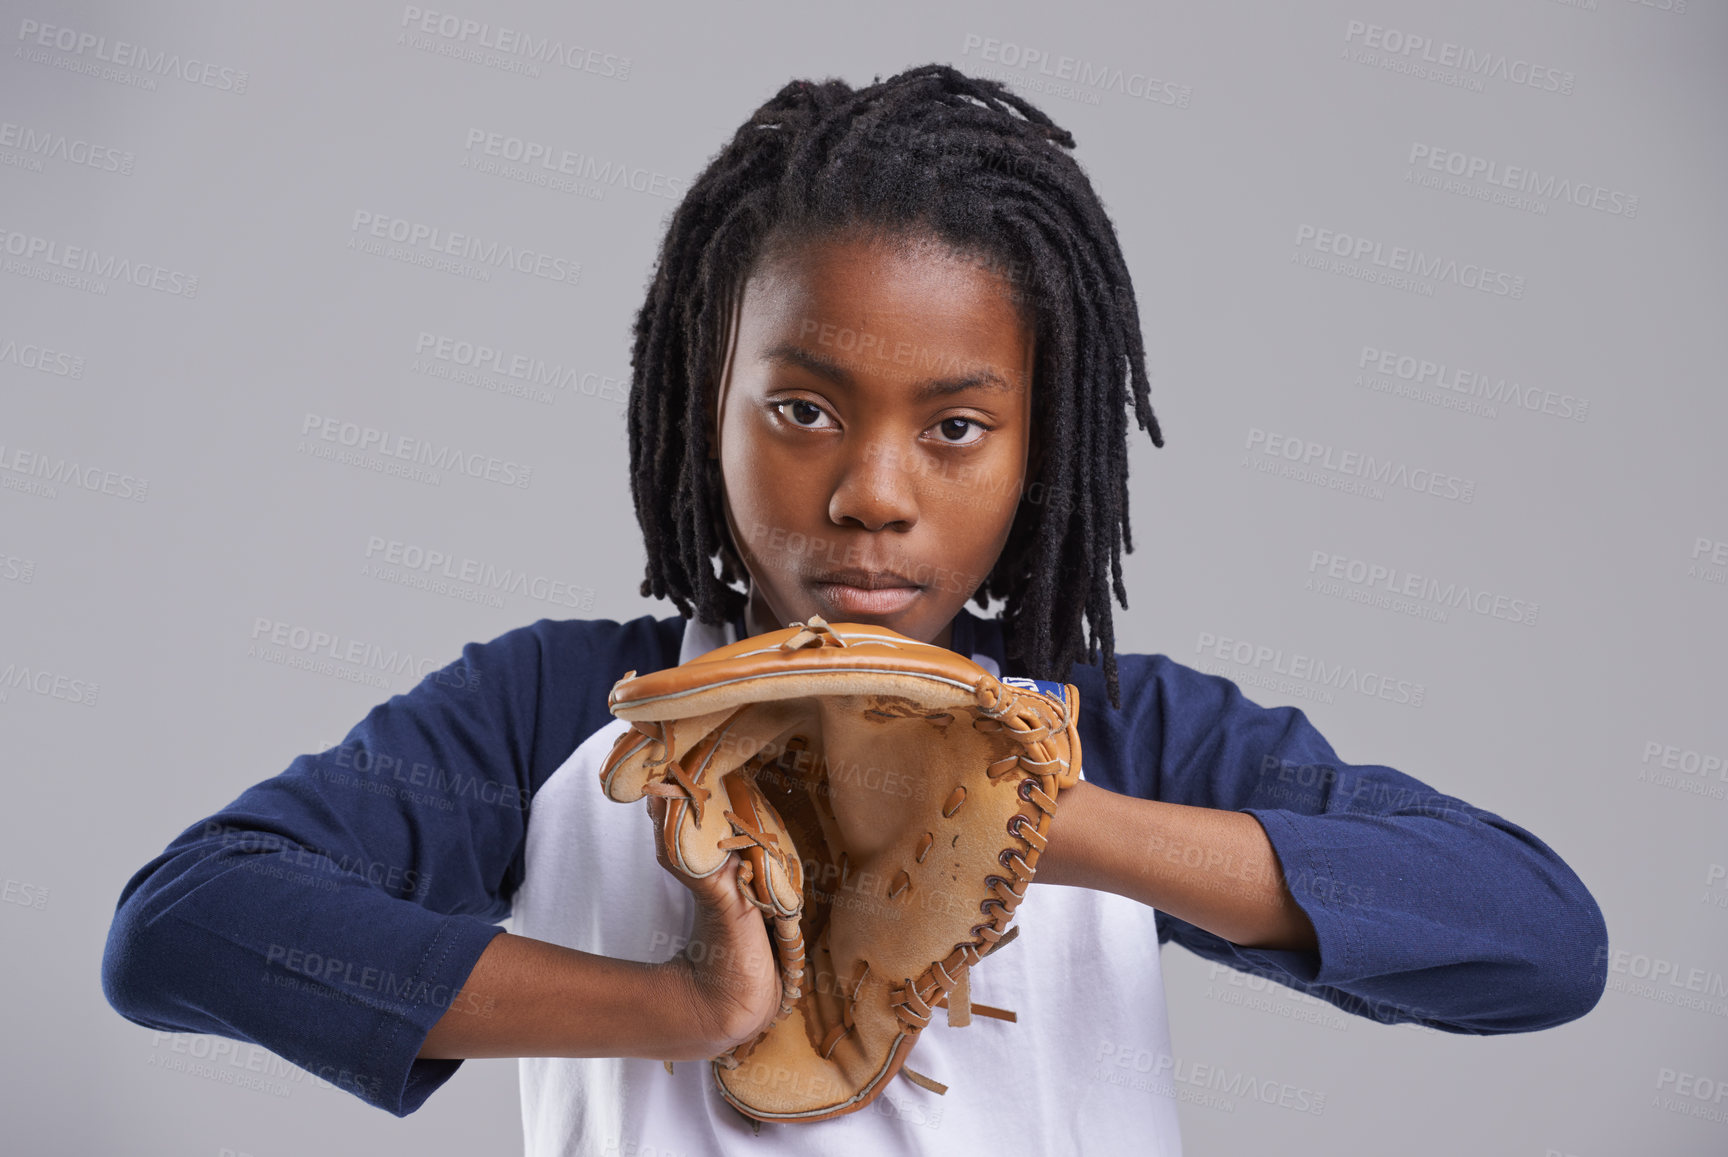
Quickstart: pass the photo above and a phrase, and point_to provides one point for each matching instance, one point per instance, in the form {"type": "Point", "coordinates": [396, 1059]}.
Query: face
{"type": "Point", "coordinates": [874, 418]}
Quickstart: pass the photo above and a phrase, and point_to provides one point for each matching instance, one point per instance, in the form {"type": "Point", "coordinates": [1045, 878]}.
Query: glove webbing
{"type": "Point", "coordinates": [949, 977]}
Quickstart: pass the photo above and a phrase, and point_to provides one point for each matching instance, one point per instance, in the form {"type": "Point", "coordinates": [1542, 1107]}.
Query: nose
{"type": "Point", "coordinates": [876, 490]}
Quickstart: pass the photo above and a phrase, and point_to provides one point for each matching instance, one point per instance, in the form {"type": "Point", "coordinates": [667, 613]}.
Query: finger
{"type": "Point", "coordinates": [657, 821]}
{"type": "Point", "coordinates": [657, 816]}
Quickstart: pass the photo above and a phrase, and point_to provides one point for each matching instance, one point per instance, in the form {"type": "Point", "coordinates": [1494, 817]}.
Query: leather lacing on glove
{"type": "Point", "coordinates": [945, 984]}
{"type": "Point", "coordinates": [1041, 729]}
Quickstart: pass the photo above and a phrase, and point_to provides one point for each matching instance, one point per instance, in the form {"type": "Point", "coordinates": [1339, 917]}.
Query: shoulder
{"type": "Point", "coordinates": [572, 656]}
{"type": "Point", "coordinates": [1178, 730]}
{"type": "Point", "coordinates": [1154, 686]}
{"type": "Point", "coordinates": [580, 651]}
{"type": "Point", "coordinates": [558, 673]}
{"type": "Point", "coordinates": [1151, 684]}
{"type": "Point", "coordinates": [1148, 684]}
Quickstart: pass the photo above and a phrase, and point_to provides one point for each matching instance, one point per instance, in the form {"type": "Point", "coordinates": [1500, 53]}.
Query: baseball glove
{"type": "Point", "coordinates": [888, 800]}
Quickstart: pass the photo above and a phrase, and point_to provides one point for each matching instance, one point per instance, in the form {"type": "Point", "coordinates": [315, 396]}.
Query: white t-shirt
{"type": "Point", "coordinates": [1082, 1070]}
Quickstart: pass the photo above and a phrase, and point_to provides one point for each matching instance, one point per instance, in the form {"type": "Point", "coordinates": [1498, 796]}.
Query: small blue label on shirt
{"type": "Point", "coordinates": [1052, 689]}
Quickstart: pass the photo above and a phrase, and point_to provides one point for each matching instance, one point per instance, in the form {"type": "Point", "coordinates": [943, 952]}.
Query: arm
{"type": "Point", "coordinates": [1423, 908]}
{"type": "Point", "coordinates": [544, 1000]}
{"type": "Point", "coordinates": [334, 913]}
{"type": "Point", "coordinates": [528, 998]}
{"type": "Point", "coordinates": [1223, 876]}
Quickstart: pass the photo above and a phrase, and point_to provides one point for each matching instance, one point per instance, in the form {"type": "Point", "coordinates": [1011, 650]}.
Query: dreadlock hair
{"type": "Point", "coordinates": [928, 154]}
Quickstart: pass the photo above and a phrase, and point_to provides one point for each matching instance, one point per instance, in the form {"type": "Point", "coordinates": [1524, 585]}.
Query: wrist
{"type": "Point", "coordinates": [674, 1005]}
{"type": "Point", "coordinates": [1070, 849]}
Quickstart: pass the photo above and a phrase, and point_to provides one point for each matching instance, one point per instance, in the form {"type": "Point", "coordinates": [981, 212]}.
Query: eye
{"type": "Point", "coordinates": [804, 413]}
{"type": "Point", "coordinates": [955, 431]}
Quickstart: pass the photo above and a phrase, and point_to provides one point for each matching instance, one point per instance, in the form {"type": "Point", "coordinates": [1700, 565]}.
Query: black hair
{"type": "Point", "coordinates": [929, 153]}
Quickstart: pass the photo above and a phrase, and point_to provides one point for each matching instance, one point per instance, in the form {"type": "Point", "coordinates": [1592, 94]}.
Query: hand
{"type": "Point", "coordinates": [727, 975]}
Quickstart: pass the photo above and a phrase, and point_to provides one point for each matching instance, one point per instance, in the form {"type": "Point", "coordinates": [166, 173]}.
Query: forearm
{"type": "Point", "coordinates": [529, 998]}
{"type": "Point", "coordinates": [1214, 869]}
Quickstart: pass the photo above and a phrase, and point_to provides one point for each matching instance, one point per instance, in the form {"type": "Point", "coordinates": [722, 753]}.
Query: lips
{"type": "Point", "coordinates": [853, 592]}
{"type": "Point", "coordinates": [869, 580]}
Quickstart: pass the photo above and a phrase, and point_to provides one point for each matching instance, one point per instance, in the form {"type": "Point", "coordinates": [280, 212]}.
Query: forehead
{"type": "Point", "coordinates": [868, 291]}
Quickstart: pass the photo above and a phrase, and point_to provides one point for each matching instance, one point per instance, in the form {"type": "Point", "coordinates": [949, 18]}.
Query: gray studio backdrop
{"type": "Point", "coordinates": [1480, 244]}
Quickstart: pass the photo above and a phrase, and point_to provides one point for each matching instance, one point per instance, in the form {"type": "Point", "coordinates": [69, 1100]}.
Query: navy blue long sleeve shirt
{"type": "Point", "coordinates": [333, 912]}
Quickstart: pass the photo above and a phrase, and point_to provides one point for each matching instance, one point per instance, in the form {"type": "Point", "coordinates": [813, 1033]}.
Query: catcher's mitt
{"type": "Point", "coordinates": [888, 799]}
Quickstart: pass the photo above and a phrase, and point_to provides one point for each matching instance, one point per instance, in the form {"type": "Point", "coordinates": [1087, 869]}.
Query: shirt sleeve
{"type": "Point", "coordinates": [332, 913]}
{"type": "Point", "coordinates": [1426, 909]}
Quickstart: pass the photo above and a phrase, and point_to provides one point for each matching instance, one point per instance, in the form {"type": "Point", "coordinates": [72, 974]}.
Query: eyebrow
{"type": "Point", "coordinates": [824, 367]}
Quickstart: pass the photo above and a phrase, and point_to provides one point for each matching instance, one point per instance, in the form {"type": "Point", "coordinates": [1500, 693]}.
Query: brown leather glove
{"type": "Point", "coordinates": [888, 800]}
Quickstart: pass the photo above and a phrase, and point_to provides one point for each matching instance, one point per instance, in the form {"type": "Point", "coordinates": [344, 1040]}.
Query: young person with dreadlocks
{"type": "Point", "coordinates": [883, 368]}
